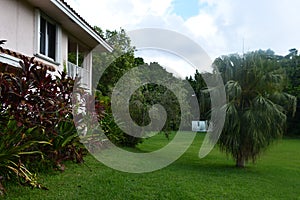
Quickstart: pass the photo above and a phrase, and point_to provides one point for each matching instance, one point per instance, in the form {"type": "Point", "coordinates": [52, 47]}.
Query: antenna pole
{"type": "Point", "coordinates": [243, 46]}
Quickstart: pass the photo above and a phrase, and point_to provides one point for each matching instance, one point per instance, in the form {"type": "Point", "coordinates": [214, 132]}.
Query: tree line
{"type": "Point", "coordinates": [262, 89]}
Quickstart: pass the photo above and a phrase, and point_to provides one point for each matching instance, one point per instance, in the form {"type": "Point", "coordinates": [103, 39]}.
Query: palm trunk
{"type": "Point", "coordinates": [240, 161]}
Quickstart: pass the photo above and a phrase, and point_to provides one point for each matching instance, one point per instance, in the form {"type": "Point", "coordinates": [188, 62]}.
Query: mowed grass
{"type": "Point", "coordinates": [276, 175]}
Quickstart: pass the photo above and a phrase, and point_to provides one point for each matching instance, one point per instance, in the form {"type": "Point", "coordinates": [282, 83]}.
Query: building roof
{"type": "Point", "coordinates": [70, 20]}
{"type": "Point", "coordinates": [21, 57]}
{"type": "Point", "coordinates": [80, 17]}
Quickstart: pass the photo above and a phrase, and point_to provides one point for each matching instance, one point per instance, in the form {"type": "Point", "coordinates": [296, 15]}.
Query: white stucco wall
{"type": "Point", "coordinates": [63, 49]}
{"type": "Point", "coordinates": [17, 26]}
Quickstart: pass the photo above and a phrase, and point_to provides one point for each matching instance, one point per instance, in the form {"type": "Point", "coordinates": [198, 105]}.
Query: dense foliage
{"type": "Point", "coordinates": [123, 60]}
{"type": "Point", "coordinates": [37, 128]}
{"type": "Point", "coordinates": [150, 94]}
{"type": "Point", "coordinates": [143, 99]}
{"type": "Point", "coordinates": [257, 106]}
{"type": "Point", "coordinates": [199, 86]}
{"type": "Point", "coordinates": [291, 64]}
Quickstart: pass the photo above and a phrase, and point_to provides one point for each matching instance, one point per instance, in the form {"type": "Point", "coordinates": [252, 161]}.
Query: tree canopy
{"type": "Point", "coordinates": [257, 105]}
{"type": "Point", "coordinates": [146, 95]}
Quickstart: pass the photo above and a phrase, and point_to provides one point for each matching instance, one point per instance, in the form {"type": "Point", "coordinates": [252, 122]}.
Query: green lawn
{"type": "Point", "coordinates": [276, 175]}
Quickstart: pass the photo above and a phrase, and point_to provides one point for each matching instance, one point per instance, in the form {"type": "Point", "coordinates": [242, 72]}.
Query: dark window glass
{"type": "Point", "coordinates": [47, 38]}
{"type": "Point", "coordinates": [51, 40]}
{"type": "Point", "coordinates": [43, 36]}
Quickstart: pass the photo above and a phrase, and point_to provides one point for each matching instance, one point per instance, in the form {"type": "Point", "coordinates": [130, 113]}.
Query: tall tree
{"type": "Point", "coordinates": [199, 86]}
{"type": "Point", "coordinates": [108, 68]}
{"type": "Point", "coordinates": [257, 107]}
{"type": "Point", "coordinates": [150, 94]}
{"type": "Point", "coordinates": [144, 97]}
{"type": "Point", "coordinates": [118, 62]}
{"type": "Point", "coordinates": [291, 63]}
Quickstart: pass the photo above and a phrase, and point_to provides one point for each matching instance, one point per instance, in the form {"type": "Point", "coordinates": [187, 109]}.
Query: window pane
{"type": "Point", "coordinates": [43, 36]}
{"type": "Point", "coordinates": [51, 40]}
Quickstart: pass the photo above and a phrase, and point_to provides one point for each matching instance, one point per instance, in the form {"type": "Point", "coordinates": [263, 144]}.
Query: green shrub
{"type": "Point", "coordinates": [13, 146]}
{"type": "Point", "coordinates": [39, 106]}
{"type": "Point", "coordinates": [113, 132]}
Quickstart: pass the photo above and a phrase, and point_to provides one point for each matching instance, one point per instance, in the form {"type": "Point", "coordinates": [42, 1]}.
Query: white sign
{"type": "Point", "coordinates": [199, 126]}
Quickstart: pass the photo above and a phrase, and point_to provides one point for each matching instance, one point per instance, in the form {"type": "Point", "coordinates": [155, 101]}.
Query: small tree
{"type": "Point", "coordinates": [199, 86]}
{"type": "Point", "coordinates": [256, 106]}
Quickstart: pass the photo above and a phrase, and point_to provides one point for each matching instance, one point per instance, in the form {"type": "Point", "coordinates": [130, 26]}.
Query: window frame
{"type": "Point", "coordinates": [57, 57]}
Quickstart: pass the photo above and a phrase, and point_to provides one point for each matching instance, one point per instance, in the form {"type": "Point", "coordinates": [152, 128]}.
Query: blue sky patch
{"type": "Point", "coordinates": [186, 8]}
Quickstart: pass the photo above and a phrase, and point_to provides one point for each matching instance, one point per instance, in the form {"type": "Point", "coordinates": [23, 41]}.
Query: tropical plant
{"type": "Point", "coordinates": [13, 146]}
{"type": "Point", "coordinates": [66, 145]}
{"type": "Point", "coordinates": [257, 107]}
{"type": "Point", "coordinates": [36, 99]}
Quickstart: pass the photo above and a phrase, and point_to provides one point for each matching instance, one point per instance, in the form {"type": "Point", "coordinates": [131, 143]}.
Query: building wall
{"type": "Point", "coordinates": [17, 26]}
{"type": "Point", "coordinates": [19, 21]}
{"type": "Point", "coordinates": [64, 50]}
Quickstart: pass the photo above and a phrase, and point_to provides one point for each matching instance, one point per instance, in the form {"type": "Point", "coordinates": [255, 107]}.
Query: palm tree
{"type": "Point", "coordinates": [256, 106]}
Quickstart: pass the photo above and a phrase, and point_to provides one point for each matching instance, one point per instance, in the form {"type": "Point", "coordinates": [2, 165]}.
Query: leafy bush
{"type": "Point", "coordinates": [36, 108]}
{"type": "Point", "coordinates": [110, 126]}
{"type": "Point", "coordinates": [14, 145]}
{"type": "Point", "coordinates": [115, 134]}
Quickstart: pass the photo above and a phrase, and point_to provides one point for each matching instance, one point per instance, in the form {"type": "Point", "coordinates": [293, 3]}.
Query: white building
{"type": "Point", "coordinates": [49, 30]}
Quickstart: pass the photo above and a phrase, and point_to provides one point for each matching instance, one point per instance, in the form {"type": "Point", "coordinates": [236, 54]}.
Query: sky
{"type": "Point", "coordinates": [220, 27]}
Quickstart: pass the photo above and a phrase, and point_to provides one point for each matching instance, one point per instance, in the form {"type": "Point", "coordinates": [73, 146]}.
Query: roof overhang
{"type": "Point", "coordinates": [72, 23]}
{"type": "Point", "coordinates": [13, 58]}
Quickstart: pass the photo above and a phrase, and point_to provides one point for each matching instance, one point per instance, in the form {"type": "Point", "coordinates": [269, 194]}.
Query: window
{"type": "Point", "coordinates": [47, 38]}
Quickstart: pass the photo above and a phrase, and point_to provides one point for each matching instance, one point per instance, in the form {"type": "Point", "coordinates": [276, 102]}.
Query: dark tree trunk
{"type": "Point", "coordinates": [240, 161]}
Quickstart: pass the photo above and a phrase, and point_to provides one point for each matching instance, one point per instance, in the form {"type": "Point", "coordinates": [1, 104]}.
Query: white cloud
{"type": "Point", "coordinates": [202, 25]}
{"type": "Point", "coordinates": [172, 63]}
{"type": "Point", "coordinates": [262, 24]}
{"type": "Point", "coordinates": [113, 14]}
{"type": "Point", "coordinates": [220, 27]}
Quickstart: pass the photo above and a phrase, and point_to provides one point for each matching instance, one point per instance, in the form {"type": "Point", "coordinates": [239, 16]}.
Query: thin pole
{"type": "Point", "coordinates": [77, 53]}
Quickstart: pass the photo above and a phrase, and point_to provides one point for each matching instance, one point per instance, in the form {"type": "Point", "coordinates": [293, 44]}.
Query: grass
{"type": "Point", "coordinates": [276, 175]}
